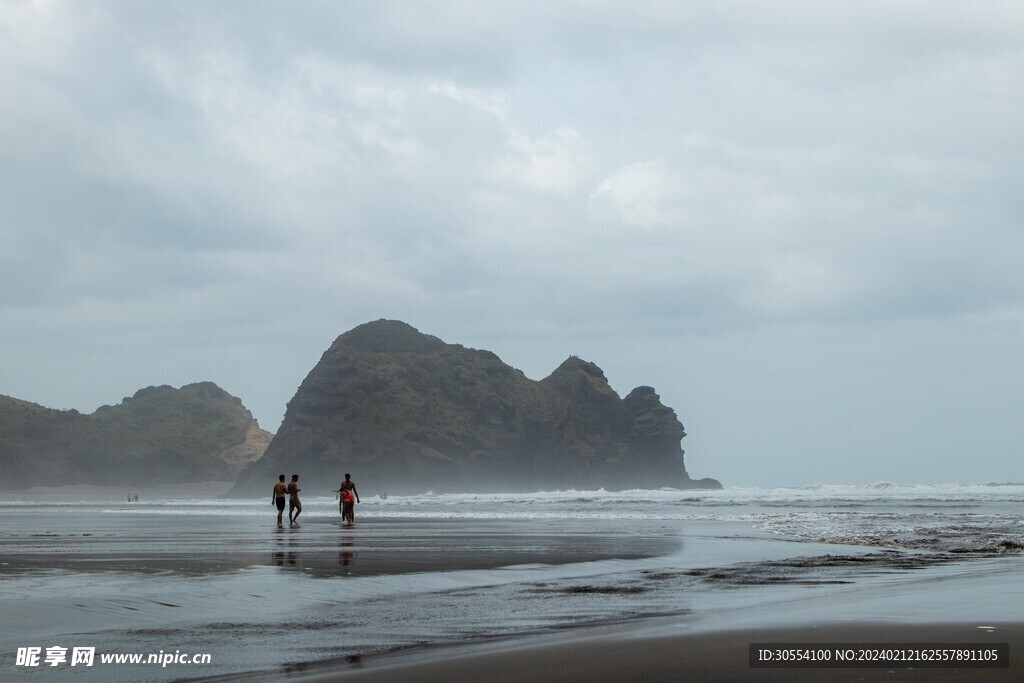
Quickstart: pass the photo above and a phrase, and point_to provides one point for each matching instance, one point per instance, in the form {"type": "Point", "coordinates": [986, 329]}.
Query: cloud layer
{"type": "Point", "coordinates": [799, 223]}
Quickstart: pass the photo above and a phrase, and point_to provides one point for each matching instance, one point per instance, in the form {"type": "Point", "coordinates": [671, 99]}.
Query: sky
{"type": "Point", "coordinates": [801, 222]}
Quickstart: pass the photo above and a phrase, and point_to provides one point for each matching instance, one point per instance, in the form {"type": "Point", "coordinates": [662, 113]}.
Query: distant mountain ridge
{"type": "Point", "coordinates": [406, 412]}
{"type": "Point", "coordinates": [160, 435]}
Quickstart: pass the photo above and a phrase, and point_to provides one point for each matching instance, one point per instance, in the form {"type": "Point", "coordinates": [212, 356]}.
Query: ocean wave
{"type": "Point", "coordinates": [777, 496]}
{"type": "Point", "coordinates": [948, 517]}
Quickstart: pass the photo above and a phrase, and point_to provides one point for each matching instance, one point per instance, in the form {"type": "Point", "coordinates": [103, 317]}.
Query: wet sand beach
{"type": "Point", "coordinates": [633, 654]}
{"type": "Point", "coordinates": [563, 586]}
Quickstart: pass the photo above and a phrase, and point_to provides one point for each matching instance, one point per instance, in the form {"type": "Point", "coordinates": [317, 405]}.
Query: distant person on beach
{"type": "Point", "coordinates": [294, 506]}
{"type": "Point", "coordinates": [277, 498]}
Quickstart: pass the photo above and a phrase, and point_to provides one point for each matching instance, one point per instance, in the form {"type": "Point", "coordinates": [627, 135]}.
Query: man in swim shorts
{"type": "Point", "coordinates": [277, 498]}
{"type": "Point", "coordinates": [294, 506]}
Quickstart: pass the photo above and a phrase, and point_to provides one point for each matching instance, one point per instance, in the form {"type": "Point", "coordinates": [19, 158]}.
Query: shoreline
{"type": "Point", "coordinates": [116, 494]}
{"type": "Point", "coordinates": [711, 642]}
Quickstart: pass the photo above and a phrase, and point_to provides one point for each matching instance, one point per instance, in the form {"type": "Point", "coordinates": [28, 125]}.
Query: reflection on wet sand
{"type": "Point", "coordinates": [171, 544]}
{"type": "Point", "coordinates": [346, 554]}
{"type": "Point", "coordinates": [286, 553]}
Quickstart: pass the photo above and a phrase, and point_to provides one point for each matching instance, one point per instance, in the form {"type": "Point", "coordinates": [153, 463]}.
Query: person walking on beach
{"type": "Point", "coordinates": [348, 502]}
{"type": "Point", "coordinates": [294, 506]}
{"type": "Point", "coordinates": [348, 497]}
{"type": "Point", "coordinates": [277, 498]}
{"type": "Point", "coordinates": [349, 485]}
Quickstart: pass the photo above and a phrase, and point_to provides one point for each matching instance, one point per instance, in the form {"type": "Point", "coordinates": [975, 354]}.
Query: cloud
{"type": "Point", "coordinates": [493, 102]}
{"type": "Point", "coordinates": [559, 163]}
{"type": "Point", "coordinates": [795, 284]}
{"type": "Point", "coordinates": [638, 194]}
{"type": "Point", "coordinates": [666, 181]}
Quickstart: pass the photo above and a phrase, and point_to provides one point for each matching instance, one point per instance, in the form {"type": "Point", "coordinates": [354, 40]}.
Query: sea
{"type": "Point", "coordinates": [176, 578]}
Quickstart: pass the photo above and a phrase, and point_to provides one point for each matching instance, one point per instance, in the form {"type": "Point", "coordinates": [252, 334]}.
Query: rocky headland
{"type": "Point", "coordinates": [161, 435]}
{"type": "Point", "coordinates": [406, 412]}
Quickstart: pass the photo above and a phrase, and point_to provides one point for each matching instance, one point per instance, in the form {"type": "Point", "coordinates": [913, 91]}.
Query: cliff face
{"type": "Point", "coordinates": [405, 412]}
{"type": "Point", "coordinates": [160, 435]}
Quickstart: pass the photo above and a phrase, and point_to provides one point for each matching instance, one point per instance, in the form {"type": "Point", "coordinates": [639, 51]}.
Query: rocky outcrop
{"type": "Point", "coordinates": [659, 432]}
{"type": "Point", "coordinates": [251, 448]}
{"type": "Point", "coordinates": [406, 412]}
{"type": "Point", "coordinates": [161, 435]}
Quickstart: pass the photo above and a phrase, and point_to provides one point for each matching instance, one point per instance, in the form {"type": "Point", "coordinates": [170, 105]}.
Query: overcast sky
{"type": "Point", "coordinates": [801, 222]}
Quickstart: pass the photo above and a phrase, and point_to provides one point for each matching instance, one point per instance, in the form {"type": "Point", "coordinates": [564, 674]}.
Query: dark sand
{"type": "Point", "coordinates": [700, 656]}
{"type": "Point", "coordinates": [439, 599]}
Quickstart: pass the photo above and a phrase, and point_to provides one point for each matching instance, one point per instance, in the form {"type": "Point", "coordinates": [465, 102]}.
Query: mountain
{"type": "Point", "coordinates": [160, 435]}
{"type": "Point", "coordinates": [405, 412]}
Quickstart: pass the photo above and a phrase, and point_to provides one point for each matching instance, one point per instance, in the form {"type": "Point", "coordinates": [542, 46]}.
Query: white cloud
{"type": "Point", "coordinates": [560, 163]}
{"type": "Point", "coordinates": [492, 101]}
{"type": "Point", "coordinates": [314, 125]}
{"type": "Point", "coordinates": [639, 194]}
{"type": "Point", "coordinates": [42, 32]}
